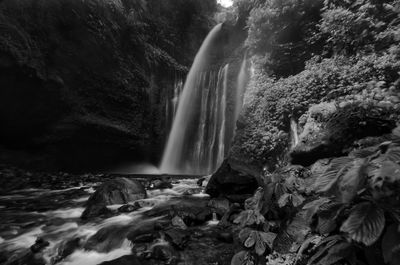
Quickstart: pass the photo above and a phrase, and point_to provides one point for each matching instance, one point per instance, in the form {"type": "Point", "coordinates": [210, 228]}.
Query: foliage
{"type": "Point", "coordinates": [362, 202]}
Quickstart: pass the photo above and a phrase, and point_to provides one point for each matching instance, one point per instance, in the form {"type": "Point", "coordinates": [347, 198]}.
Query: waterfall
{"type": "Point", "coordinates": [241, 87]}
{"type": "Point", "coordinates": [171, 104]}
{"type": "Point", "coordinates": [294, 133]}
{"type": "Point", "coordinates": [181, 146]}
{"type": "Point", "coordinates": [222, 131]}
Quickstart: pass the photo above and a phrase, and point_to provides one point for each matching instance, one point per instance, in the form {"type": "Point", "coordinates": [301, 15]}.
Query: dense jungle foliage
{"type": "Point", "coordinates": [332, 67]}
{"type": "Point", "coordinates": [308, 52]}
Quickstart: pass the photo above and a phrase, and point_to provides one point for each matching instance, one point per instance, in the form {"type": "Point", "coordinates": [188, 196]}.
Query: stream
{"type": "Point", "coordinates": [54, 215]}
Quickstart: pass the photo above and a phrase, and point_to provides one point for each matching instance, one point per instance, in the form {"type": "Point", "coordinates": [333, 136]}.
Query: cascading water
{"type": "Point", "coordinates": [204, 124]}
{"type": "Point", "coordinates": [182, 147]}
{"type": "Point", "coordinates": [241, 87]}
{"type": "Point", "coordinates": [294, 133]}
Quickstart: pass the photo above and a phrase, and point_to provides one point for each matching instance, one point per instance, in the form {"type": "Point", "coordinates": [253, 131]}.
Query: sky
{"type": "Point", "coordinates": [225, 3]}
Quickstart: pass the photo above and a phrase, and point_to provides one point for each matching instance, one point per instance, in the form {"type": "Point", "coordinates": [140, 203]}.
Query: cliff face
{"type": "Point", "coordinates": [82, 84]}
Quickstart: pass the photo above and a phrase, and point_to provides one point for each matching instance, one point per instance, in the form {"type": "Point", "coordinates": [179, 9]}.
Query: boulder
{"type": "Point", "coordinates": [192, 210]}
{"type": "Point", "coordinates": [128, 208]}
{"type": "Point", "coordinates": [124, 260]}
{"type": "Point", "coordinates": [163, 183]}
{"type": "Point", "coordinates": [115, 191]}
{"type": "Point", "coordinates": [330, 132]}
{"type": "Point", "coordinates": [231, 183]}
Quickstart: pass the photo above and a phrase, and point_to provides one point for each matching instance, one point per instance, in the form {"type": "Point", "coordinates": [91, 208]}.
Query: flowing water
{"type": "Point", "coordinates": [60, 224]}
{"type": "Point", "coordinates": [200, 135]}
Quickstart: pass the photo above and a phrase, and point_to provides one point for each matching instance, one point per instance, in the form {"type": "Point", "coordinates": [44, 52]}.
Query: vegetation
{"type": "Point", "coordinates": [308, 58]}
{"type": "Point", "coordinates": [345, 52]}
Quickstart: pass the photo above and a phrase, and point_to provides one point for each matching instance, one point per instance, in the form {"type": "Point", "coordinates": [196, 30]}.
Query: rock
{"type": "Point", "coordinates": [115, 191]}
{"type": "Point", "coordinates": [107, 238]}
{"type": "Point", "coordinates": [200, 181]}
{"type": "Point", "coordinates": [219, 205]}
{"type": "Point", "coordinates": [231, 184]}
{"type": "Point", "coordinates": [225, 237]}
{"type": "Point", "coordinates": [193, 191]}
{"type": "Point", "coordinates": [178, 222]}
{"type": "Point", "coordinates": [128, 208]}
{"type": "Point", "coordinates": [164, 253]}
{"type": "Point", "coordinates": [163, 183]}
{"type": "Point", "coordinates": [68, 248]}
{"type": "Point", "coordinates": [145, 229]}
{"type": "Point", "coordinates": [192, 210]}
{"type": "Point", "coordinates": [124, 260]}
{"type": "Point", "coordinates": [178, 237]}
{"type": "Point", "coordinates": [332, 133]}
{"type": "Point", "coordinates": [39, 245]}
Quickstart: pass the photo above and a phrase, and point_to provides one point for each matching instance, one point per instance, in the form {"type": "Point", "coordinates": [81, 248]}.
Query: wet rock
{"type": "Point", "coordinates": [201, 181]}
{"type": "Point", "coordinates": [193, 191]}
{"type": "Point", "coordinates": [178, 222]}
{"type": "Point", "coordinates": [116, 191]}
{"type": "Point", "coordinates": [232, 184]}
{"type": "Point", "coordinates": [68, 248]}
{"type": "Point", "coordinates": [164, 253]}
{"type": "Point", "coordinates": [128, 208]}
{"type": "Point", "coordinates": [39, 245]}
{"type": "Point", "coordinates": [163, 183]}
{"type": "Point", "coordinates": [107, 238]}
{"type": "Point", "coordinates": [147, 227]}
{"type": "Point", "coordinates": [177, 237]}
{"type": "Point", "coordinates": [219, 205]}
{"type": "Point", "coordinates": [192, 210]}
{"type": "Point", "coordinates": [124, 260]}
{"type": "Point", "coordinates": [225, 237]}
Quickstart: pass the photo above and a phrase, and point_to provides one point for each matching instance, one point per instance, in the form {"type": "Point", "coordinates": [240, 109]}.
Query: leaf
{"type": "Point", "coordinates": [390, 242]}
{"type": "Point", "coordinates": [251, 240]}
{"type": "Point", "coordinates": [297, 199]}
{"type": "Point", "coordinates": [260, 246]}
{"type": "Point", "coordinates": [284, 200]}
{"type": "Point", "coordinates": [365, 223]}
{"type": "Point", "coordinates": [324, 246]}
{"type": "Point", "coordinates": [387, 172]}
{"type": "Point", "coordinates": [327, 216]}
{"type": "Point", "coordinates": [353, 180]}
{"type": "Point", "coordinates": [313, 206]}
{"type": "Point", "coordinates": [336, 253]}
{"type": "Point", "coordinates": [393, 153]}
{"type": "Point", "coordinates": [244, 234]}
{"type": "Point", "coordinates": [242, 258]}
{"type": "Point", "coordinates": [268, 238]}
{"type": "Point", "coordinates": [325, 181]}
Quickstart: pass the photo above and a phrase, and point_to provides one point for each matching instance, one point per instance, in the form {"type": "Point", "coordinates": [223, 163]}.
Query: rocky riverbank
{"type": "Point", "coordinates": [159, 221]}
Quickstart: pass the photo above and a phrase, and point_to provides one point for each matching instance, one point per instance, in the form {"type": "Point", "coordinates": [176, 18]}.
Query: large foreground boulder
{"type": "Point", "coordinates": [231, 183]}
{"type": "Point", "coordinates": [116, 191]}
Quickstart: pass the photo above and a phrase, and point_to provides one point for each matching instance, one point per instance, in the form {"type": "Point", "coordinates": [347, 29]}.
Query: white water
{"type": "Point", "coordinates": [180, 143]}
{"type": "Point", "coordinates": [61, 231]}
{"type": "Point", "coordinates": [241, 87]}
{"type": "Point", "coordinates": [294, 132]}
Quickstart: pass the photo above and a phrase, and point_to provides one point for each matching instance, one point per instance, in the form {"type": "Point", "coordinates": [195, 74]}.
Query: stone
{"type": "Point", "coordinates": [115, 191]}
{"type": "Point", "coordinates": [39, 245]}
{"type": "Point", "coordinates": [124, 260]}
{"type": "Point", "coordinates": [68, 248]}
{"type": "Point", "coordinates": [128, 208]}
{"type": "Point", "coordinates": [163, 183]}
{"type": "Point", "coordinates": [178, 237]}
{"type": "Point", "coordinates": [331, 133]}
{"type": "Point", "coordinates": [232, 184]}
{"type": "Point", "coordinates": [192, 210]}
{"type": "Point", "coordinates": [178, 222]}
